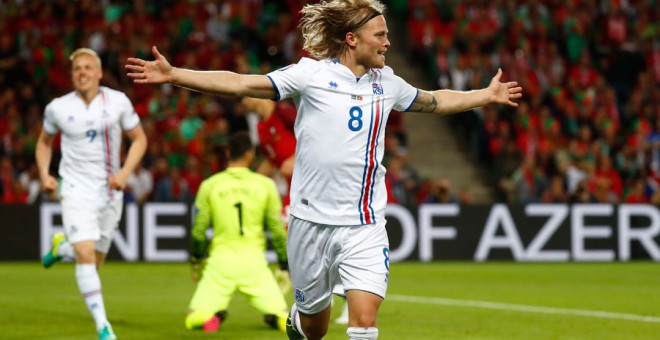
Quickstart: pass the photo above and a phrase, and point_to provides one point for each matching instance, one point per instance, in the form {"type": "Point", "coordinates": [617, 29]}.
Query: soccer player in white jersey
{"type": "Point", "coordinates": [338, 197]}
{"type": "Point", "coordinates": [90, 120]}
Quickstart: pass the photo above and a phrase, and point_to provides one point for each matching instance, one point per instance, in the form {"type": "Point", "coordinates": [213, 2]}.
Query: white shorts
{"type": "Point", "coordinates": [86, 220]}
{"type": "Point", "coordinates": [322, 256]}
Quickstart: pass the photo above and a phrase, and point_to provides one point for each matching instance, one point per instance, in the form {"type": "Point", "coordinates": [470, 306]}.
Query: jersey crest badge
{"type": "Point", "coordinates": [333, 85]}
{"type": "Point", "coordinates": [378, 90]}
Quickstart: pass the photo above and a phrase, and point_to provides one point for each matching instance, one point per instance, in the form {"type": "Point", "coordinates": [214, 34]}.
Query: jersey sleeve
{"type": "Point", "coordinates": [50, 123]}
{"type": "Point", "coordinates": [274, 222]}
{"type": "Point", "coordinates": [407, 95]}
{"type": "Point", "coordinates": [201, 221]}
{"type": "Point", "coordinates": [129, 118]}
{"type": "Point", "coordinates": [290, 80]}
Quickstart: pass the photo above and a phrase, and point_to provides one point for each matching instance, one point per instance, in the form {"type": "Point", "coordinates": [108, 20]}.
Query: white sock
{"type": "Point", "coordinates": [65, 249]}
{"type": "Point", "coordinates": [90, 287]}
{"type": "Point", "coordinates": [295, 320]}
{"type": "Point", "coordinates": [362, 333]}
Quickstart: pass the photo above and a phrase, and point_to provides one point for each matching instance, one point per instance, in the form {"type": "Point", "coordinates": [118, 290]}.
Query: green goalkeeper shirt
{"type": "Point", "coordinates": [238, 203]}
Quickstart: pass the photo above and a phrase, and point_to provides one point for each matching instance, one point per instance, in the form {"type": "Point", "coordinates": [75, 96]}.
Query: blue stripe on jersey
{"type": "Point", "coordinates": [366, 164]}
{"type": "Point", "coordinates": [373, 180]}
{"type": "Point", "coordinates": [277, 92]}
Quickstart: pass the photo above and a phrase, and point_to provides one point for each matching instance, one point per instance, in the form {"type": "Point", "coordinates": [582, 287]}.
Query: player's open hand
{"type": "Point", "coordinates": [504, 93]}
{"type": "Point", "coordinates": [149, 72]}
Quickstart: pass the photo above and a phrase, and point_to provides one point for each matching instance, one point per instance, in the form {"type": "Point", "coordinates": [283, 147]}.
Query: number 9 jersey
{"type": "Point", "coordinates": [91, 140]}
{"type": "Point", "coordinates": [338, 178]}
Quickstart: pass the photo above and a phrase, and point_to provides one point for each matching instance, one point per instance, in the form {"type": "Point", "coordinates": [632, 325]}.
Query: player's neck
{"type": "Point", "coordinates": [349, 61]}
{"type": "Point", "coordinates": [89, 95]}
{"type": "Point", "coordinates": [240, 163]}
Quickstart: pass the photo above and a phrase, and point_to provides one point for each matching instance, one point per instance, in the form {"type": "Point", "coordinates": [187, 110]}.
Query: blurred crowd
{"type": "Point", "coordinates": [187, 131]}
{"type": "Point", "coordinates": [588, 129]}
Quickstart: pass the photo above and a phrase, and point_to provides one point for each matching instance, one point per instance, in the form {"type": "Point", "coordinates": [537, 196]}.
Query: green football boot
{"type": "Point", "coordinates": [52, 257]}
{"type": "Point", "coordinates": [106, 333]}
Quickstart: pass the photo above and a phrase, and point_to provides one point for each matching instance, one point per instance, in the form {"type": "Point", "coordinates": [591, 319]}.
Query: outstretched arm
{"type": "Point", "coordinates": [447, 101]}
{"type": "Point", "coordinates": [160, 71]}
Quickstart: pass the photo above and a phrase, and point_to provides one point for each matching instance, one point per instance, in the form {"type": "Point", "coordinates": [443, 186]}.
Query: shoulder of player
{"type": "Point", "coordinates": [310, 66]}
{"type": "Point", "coordinates": [385, 72]}
{"type": "Point", "coordinates": [262, 180]}
{"type": "Point", "coordinates": [112, 93]}
{"type": "Point", "coordinates": [61, 102]}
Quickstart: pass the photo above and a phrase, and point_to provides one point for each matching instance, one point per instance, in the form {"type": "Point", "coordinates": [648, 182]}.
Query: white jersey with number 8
{"type": "Point", "coordinates": [338, 178]}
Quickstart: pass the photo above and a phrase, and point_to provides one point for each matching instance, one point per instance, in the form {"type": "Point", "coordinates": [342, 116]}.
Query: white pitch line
{"type": "Point", "coordinates": [522, 308]}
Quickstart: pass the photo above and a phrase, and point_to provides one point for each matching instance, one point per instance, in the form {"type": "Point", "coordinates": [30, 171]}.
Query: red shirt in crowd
{"type": "Point", "coordinates": [278, 142]}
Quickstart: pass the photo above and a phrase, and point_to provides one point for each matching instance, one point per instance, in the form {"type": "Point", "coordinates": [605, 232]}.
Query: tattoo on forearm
{"type": "Point", "coordinates": [425, 102]}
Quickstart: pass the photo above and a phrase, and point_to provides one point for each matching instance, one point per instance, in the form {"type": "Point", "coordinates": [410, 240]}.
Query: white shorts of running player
{"type": "Point", "coordinates": [91, 220]}
{"type": "Point", "coordinates": [323, 256]}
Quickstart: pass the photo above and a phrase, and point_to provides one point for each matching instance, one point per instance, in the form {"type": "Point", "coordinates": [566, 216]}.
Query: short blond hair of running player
{"type": "Point", "coordinates": [85, 51]}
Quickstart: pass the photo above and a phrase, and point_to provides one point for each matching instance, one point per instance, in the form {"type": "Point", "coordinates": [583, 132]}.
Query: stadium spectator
{"type": "Point", "coordinates": [29, 179]}
{"type": "Point", "coordinates": [440, 192]}
{"type": "Point", "coordinates": [90, 120]}
{"type": "Point", "coordinates": [636, 194]}
{"type": "Point", "coordinates": [349, 51]}
{"type": "Point", "coordinates": [172, 187]}
{"type": "Point", "coordinates": [139, 185]}
{"type": "Point", "coordinates": [237, 202]}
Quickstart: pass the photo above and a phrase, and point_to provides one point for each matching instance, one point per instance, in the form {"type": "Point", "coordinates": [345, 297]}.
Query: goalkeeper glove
{"type": "Point", "coordinates": [196, 267]}
{"type": "Point", "coordinates": [283, 280]}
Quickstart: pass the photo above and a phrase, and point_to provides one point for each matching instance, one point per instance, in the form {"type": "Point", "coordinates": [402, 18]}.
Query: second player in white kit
{"type": "Point", "coordinates": [90, 120]}
{"type": "Point", "coordinates": [90, 143]}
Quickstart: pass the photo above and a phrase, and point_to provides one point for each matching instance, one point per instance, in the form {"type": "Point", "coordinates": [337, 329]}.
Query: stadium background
{"type": "Point", "coordinates": [587, 131]}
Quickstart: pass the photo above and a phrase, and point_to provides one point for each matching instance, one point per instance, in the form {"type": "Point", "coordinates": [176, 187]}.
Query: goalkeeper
{"type": "Point", "coordinates": [237, 202]}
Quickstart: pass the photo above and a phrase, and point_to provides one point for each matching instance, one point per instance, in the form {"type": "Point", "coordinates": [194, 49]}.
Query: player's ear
{"type": "Point", "coordinates": [351, 39]}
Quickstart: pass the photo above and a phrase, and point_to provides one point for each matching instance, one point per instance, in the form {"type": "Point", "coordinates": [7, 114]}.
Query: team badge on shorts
{"type": "Point", "coordinates": [300, 295]}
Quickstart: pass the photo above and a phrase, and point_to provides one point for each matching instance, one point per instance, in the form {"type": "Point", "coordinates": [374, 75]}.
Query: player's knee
{"type": "Point", "coordinates": [362, 333]}
{"type": "Point", "coordinates": [364, 320]}
{"type": "Point", "coordinates": [315, 331]}
{"type": "Point", "coordinates": [86, 257]}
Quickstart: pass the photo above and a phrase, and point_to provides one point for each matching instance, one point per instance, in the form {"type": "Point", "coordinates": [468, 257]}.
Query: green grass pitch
{"type": "Point", "coordinates": [454, 300]}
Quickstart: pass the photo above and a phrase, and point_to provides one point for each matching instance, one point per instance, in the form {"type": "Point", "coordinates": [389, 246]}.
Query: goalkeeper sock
{"type": "Point", "coordinates": [89, 285]}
